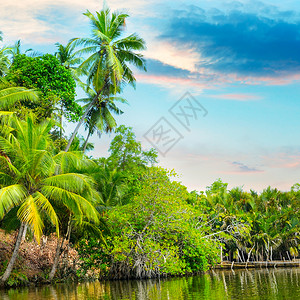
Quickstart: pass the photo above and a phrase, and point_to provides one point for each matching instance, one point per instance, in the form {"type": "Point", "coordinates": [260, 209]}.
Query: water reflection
{"type": "Point", "coordinates": [240, 284]}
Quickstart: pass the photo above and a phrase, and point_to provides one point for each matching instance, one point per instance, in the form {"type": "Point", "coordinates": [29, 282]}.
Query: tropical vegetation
{"type": "Point", "coordinates": [125, 216]}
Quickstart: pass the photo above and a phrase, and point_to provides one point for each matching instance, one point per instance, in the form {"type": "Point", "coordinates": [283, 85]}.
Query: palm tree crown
{"type": "Point", "coordinates": [109, 53]}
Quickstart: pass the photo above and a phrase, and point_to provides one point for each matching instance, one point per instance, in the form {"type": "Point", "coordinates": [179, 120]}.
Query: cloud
{"type": "Point", "coordinates": [288, 158]}
{"type": "Point", "coordinates": [161, 68]}
{"type": "Point", "coordinates": [239, 42]}
{"type": "Point", "coordinates": [242, 168]}
{"type": "Point", "coordinates": [48, 21]}
{"type": "Point", "coordinates": [171, 54]}
{"type": "Point", "coordinates": [175, 85]}
{"type": "Point", "coordinates": [237, 97]}
{"type": "Point", "coordinates": [173, 78]}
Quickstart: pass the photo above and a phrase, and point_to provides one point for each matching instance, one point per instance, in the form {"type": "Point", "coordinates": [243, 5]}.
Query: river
{"type": "Point", "coordinates": [259, 284]}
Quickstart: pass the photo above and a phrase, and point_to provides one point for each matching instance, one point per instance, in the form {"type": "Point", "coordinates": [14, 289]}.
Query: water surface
{"type": "Point", "coordinates": [241, 284]}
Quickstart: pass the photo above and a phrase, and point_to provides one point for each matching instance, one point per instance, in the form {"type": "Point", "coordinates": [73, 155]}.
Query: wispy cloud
{"type": "Point", "coordinates": [47, 21]}
{"type": "Point", "coordinates": [171, 54]}
{"type": "Point", "coordinates": [237, 97]}
{"type": "Point", "coordinates": [284, 159]}
{"type": "Point", "coordinates": [242, 168]}
{"type": "Point", "coordinates": [178, 84]}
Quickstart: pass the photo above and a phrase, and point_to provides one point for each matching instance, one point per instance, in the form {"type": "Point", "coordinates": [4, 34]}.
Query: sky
{"type": "Point", "coordinates": [220, 98]}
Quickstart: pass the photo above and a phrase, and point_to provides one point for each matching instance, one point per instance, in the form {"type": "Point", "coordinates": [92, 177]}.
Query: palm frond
{"type": "Point", "coordinates": [10, 96]}
{"type": "Point", "coordinates": [29, 213]}
{"type": "Point", "coordinates": [77, 204]}
{"type": "Point", "coordinates": [44, 204]}
{"type": "Point", "coordinates": [11, 196]}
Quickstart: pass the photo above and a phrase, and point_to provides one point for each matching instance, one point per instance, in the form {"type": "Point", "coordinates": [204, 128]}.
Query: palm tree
{"type": "Point", "coordinates": [107, 65]}
{"type": "Point", "coordinates": [29, 180]}
{"type": "Point", "coordinates": [72, 163]}
{"type": "Point", "coordinates": [99, 118]}
{"type": "Point", "coordinates": [67, 58]}
{"type": "Point", "coordinates": [4, 61]}
{"type": "Point", "coordinates": [16, 50]}
{"type": "Point", "coordinates": [110, 184]}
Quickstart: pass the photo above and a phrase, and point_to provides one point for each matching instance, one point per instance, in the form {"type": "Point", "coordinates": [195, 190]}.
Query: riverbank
{"type": "Point", "coordinates": [258, 264]}
{"type": "Point", "coordinates": [35, 260]}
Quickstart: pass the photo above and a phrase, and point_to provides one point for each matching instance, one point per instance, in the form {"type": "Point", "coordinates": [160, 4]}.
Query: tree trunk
{"type": "Point", "coordinates": [14, 256]}
{"type": "Point", "coordinates": [80, 122]}
{"type": "Point", "coordinates": [221, 254]}
{"type": "Point", "coordinates": [24, 232]}
{"type": "Point", "coordinates": [249, 254]}
{"type": "Point", "coordinates": [59, 250]}
{"type": "Point", "coordinates": [86, 141]}
{"type": "Point", "coordinates": [56, 258]}
{"type": "Point", "coordinates": [61, 120]}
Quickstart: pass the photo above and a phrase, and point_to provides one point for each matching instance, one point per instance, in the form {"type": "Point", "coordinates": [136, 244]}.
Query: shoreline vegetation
{"type": "Point", "coordinates": [67, 215]}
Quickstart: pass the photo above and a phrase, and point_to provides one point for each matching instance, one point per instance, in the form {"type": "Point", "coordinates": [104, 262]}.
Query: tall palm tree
{"type": "Point", "coordinates": [109, 56]}
{"type": "Point", "coordinates": [99, 118]}
{"type": "Point", "coordinates": [29, 180]}
{"type": "Point", "coordinates": [67, 58]}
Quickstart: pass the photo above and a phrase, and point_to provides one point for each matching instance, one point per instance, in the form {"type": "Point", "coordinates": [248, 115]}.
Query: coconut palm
{"type": "Point", "coordinates": [30, 180]}
{"type": "Point", "coordinates": [109, 56]}
{"type": "Point", "coordinates": [4, 60]}
{"type": "Point", "coordinates": [71, 163]}
{"type": "Point", "coordinates": [110, 184]}
{"type": "Point", "coordinates": [16, 50]}
{"type": "Point", "coordinates": [67, 58]}
{"type": "Point", "coordinates": [99, 118]}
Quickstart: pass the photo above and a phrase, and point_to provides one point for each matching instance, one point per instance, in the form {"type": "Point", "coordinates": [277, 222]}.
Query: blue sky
{"type": "Point", "coordinates": [239, 60]}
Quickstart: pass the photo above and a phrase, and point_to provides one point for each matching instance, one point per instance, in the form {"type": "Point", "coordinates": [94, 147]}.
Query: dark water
{"type": "Point", "coordinates": [241, 284]}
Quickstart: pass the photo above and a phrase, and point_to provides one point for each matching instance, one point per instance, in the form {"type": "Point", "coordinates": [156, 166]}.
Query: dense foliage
{"type": "Point", "coordinates": [54, 82]}
{"type": "Point", "coordinates": [156, 234]}
{"type": "Point", "coordinates": [126, 217]}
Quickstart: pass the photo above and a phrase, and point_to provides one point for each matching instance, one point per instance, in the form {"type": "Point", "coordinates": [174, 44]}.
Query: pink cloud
{"type": "Point", "coordinates": [169, 81]}
{"type": "Point", "coordinates": [237, 97]}
{"type": "Point", "coordinates": [207, 80]}
{"type": "Point", "coordinates": [282, 160]}
{"type": "Point", "coordinates": [283, 79]}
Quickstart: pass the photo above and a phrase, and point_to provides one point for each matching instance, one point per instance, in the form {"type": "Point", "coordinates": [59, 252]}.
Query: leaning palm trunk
{"type": "Point", "coordinates": [86, 142]}
{"type": "Point", "coordinates": [80, 122]}
{"type": "Point", "coordinates": [22, 231]}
